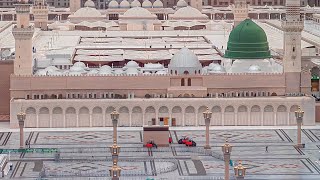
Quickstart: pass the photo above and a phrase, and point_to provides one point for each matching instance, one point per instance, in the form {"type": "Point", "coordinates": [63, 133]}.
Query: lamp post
{"type": "Point", "coordinates": [115, 149]}
{"type": "Point", "coordinates": [207, 117]}
{"type": "Point", "coordinates": [299, 116]}
{"type": "Point", "coordinates": [21, 117]}
{"type": "Point", "coordinates": [226, 149]}
{"type": "Point", "coordinates": [240, 171]}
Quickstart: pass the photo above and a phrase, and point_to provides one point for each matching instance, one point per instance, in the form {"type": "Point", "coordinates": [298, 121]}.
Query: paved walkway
{"type": "Point", "coordinates": [84, 153]}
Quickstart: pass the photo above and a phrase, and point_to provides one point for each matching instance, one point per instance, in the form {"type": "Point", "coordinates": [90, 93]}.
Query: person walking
{"type": "Point", "coordinates": [267, 148]}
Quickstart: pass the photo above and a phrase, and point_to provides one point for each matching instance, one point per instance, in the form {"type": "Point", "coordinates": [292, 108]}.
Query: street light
{"type": "Point", "coordinates": [226, 149]}
{"type": "Point", "coordinates": [207, 117]}
{"type": "Point", "coordinates": [240, 171]}
{"type": "Point", "coordinates": [115, 149]}
{"type": "Point", "coordinates": [21, 118]}
{"type": "Point", "coordinates": [299, 117]}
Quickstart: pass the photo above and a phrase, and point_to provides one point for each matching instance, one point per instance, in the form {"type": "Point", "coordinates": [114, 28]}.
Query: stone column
{"type": "Point", "coordinates": [207, 122]}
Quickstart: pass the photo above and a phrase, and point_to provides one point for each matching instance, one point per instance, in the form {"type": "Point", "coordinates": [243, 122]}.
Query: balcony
{"type": "Point", "coordinates": [23, 33]}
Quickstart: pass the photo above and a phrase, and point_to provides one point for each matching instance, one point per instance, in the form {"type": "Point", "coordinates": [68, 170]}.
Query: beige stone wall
{"type": "Point", "coordinates": [142, 85]}
{"type": "Point", "coordinates": [6, 69]}
{"type": "Point", "coordinates": [187, 111]}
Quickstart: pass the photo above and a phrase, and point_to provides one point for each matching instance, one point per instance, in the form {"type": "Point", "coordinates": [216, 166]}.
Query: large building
{"type": "Point", "coordinates": [251, 73]}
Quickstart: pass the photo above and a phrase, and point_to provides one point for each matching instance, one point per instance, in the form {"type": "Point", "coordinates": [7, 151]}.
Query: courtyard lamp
{"type": "Point", "coordinates": [226, 149]}
{"type": "Point", "coordinates": [21, 118]}
{"type": "Point", "coordinates": [207, 117]}
{"type": "Point", "coordinates": [299, 117]}
{"type": "Point", "coordinates": [240, 171]}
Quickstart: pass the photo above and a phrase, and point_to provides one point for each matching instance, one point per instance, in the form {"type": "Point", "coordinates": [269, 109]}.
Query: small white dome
{"type": "Point", "coordinates": [113, 4]}
{"type": "Point", "coordinates": [184, 58]}
{"type": "Point", "coordinates": [55, 73]}
{"type": "Point", "coordinates": [105, 67]}
{"type": "Point", "coordinates": [217, 69]}
{"type": "Point", "coordinates": [182, 3]}
{"type": "Point", "coordinates": [161, 72]}
{"type": "Point", "coordinates": [41, 72]}
{"type": "Point", "coordinates": [189, 12]}
{"type": "Point", "coordinates": [132, 64]}
{"type": "Point", "coordinates": [212, 65]}
{"type": "Point", "coordinates": [124, 4]}
{"type": "Point", "coordinates": [87, 12]}
{"type": "Point", "coordinates": [135, 3]}
{"type": "Point", "coordinates": [51, 68]}
{"type": "Point", "coordinates": [76, 69]}
{"type": "Point", "coordinates": [118, 71]}
{"type": "Point", "coordinates": [105, 71]}
{"type": "Point", "coordinates": [147, 4]}
{"type": "Point", "coordinates": [138, 12]}
{"type": "Point", "coordinates": [132, 71]}
{"type": "Point", "coordinates": [254, 69]}
{"type": "Point", "coordinates": [79, 64]}
{"type": "Point", "coordinates": [89, 3]}
{"type": "Point", "coordinates": [157, 4]}
{"type": "Point", "coordinates": [153, 66]}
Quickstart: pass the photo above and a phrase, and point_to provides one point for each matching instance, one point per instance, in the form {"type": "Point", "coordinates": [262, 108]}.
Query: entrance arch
{"type": "Point", "coordinates": [242, 116]}
{"type": "Point", "coordinates": [124, 117]}
{"type": "Point", "coordinates": [200, 115]}
{"type": "Point", "coordinates": [109, 110]}
{"type": "Point", "coordinates": [31, 117]}
{"type": "Point", "coordinates": [190, 116]}
{"type": "Point", "coordinates": [57, 117]}
{"type": "Point", "coordinates": [97, 117]}
{"type": "Point", "coordinates": [255, 116]}
{"type": "Point", "coordinates": [176, 116]}
{"type": "Point", "coordinates": [268, 115]}
{"type": "Point", "coordinates": [292, 120]}
{"type": "Point", "coordinates": [282, 115]}
{"type": "Point", "coordinates": [229, 119]}
{"type": "Point", "coordinates": [44, 117]}
{"type": "Point", "coordinates": [150, 115]}
{"type": "Point", "coordinates": [136, 117]}
{"type": "Point", "coordinates": [164, 115]}
{"type": "Point", "coordinates": [216, 116]}
{"type": "Point", "coordinates": [84, 117]}
{"type": "Point", "coordinates": [71, 117]}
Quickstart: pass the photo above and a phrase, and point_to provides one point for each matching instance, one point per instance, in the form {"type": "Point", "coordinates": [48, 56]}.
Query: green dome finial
{"type": "Point", "coordinates": [247, 41]}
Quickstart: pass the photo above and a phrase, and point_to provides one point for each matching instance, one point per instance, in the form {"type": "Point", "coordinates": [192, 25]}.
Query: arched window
{"type": "Point", "coordinates": [176, 72]}
{"type": "Point", "coordinates": [182, 82]}
{"type": "Point", "coordinates": [186, 72]}
{"type": "Point", "coordinates": [189, 81]}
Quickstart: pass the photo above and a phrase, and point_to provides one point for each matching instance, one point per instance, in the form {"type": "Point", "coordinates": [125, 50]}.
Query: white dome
{"type": "Point", "coordinates": [212, 65]}
{"type": "Point", "coordinates": [182, 3]}
{"type": "Point", "coordinates": [76, 69]}
{"type": "Point", "coordinates": [51, 68]}
{"type": "Point", "coordinates": [157, 4]}
{"type": "Point", "coordinates": [41, 72]}
{"type": "Point", "coordinates": [105, 71]}
{"type": "Point", "coordinates": [138, 12]}
{"type": "Point", "coordinates": [87, 12]}
{"type": "Point", "coordinates": [79, 64]}
{"type": "Point", "coordinates": [132, 64]}
{"type": "Point", "coordinates": [124, 4]}
{"type": "Point", "coordinates": [135, 3]}
{"type": "Point", "coordinates": [89, 3]}
{"type": "Point", "coordinates": [55, 73]}
{"type": "Point", "coordinates": [113, 4]}
{"type": "Point", "coordinates": [147, 4]}
{"type": "Point", "coordinates": [132, 71]}
{"type": "Point", "coordinates": [118, 71]}
{"type": "Point", "coordinates": [189, 12]}
{"type": "Point", "coordinates": [254, 69]}
{"type": "Point", "coordinates": [153, 66]}
{"type": "Point", "coordinates": [184, 58]}
{"type": "Point", "coordinates": [161, 72]}
{"type": "Point", "coordinates": [217, 69]}
{"type": "Point", "coordinates": [105, 67]}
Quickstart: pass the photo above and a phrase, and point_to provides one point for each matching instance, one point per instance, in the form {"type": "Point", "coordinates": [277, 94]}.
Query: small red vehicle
{"type": "Point", "coordinates": [170, 140]}
{"type": "Point", "coordinates": [190, 142]}
{"type": "Point", "coordinates": [183, 140]}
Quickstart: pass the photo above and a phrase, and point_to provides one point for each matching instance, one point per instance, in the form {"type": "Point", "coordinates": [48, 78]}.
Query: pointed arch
{"type": "Point", "coordinates": [57, 117]}
{"type": "Point", "coordinates": [84, 117]}
{"type": "Point", "coordinates": [44, 117]}
{"type": "Point", "coordinates": [31, 117]}
{"type": "Point", "coordinates": [97, 117]}
{"type": "Point", "coordinates": [71, 117]}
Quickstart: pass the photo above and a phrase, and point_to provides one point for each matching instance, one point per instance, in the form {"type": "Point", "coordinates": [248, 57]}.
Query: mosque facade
{"type": "Point", "coordinates": [247, 86]}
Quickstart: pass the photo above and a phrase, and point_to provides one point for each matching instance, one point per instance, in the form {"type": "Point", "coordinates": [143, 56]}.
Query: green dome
{"type": "Point", "coordinates": [247, 41]}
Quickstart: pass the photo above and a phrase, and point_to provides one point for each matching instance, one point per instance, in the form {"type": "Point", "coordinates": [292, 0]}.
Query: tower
{"type": "Point", "coordinates": [23, 34]}
{"type": "Point", "coordinates": [196, 4]}
{"type": "Point", "coordinates": [40, 12]}
{"type": "Point", "coordinates": [240, 11]}
{"type": "Point", "coordinates": [75, 5]}
{"type": "Point", "coordinates": [292, 27]}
